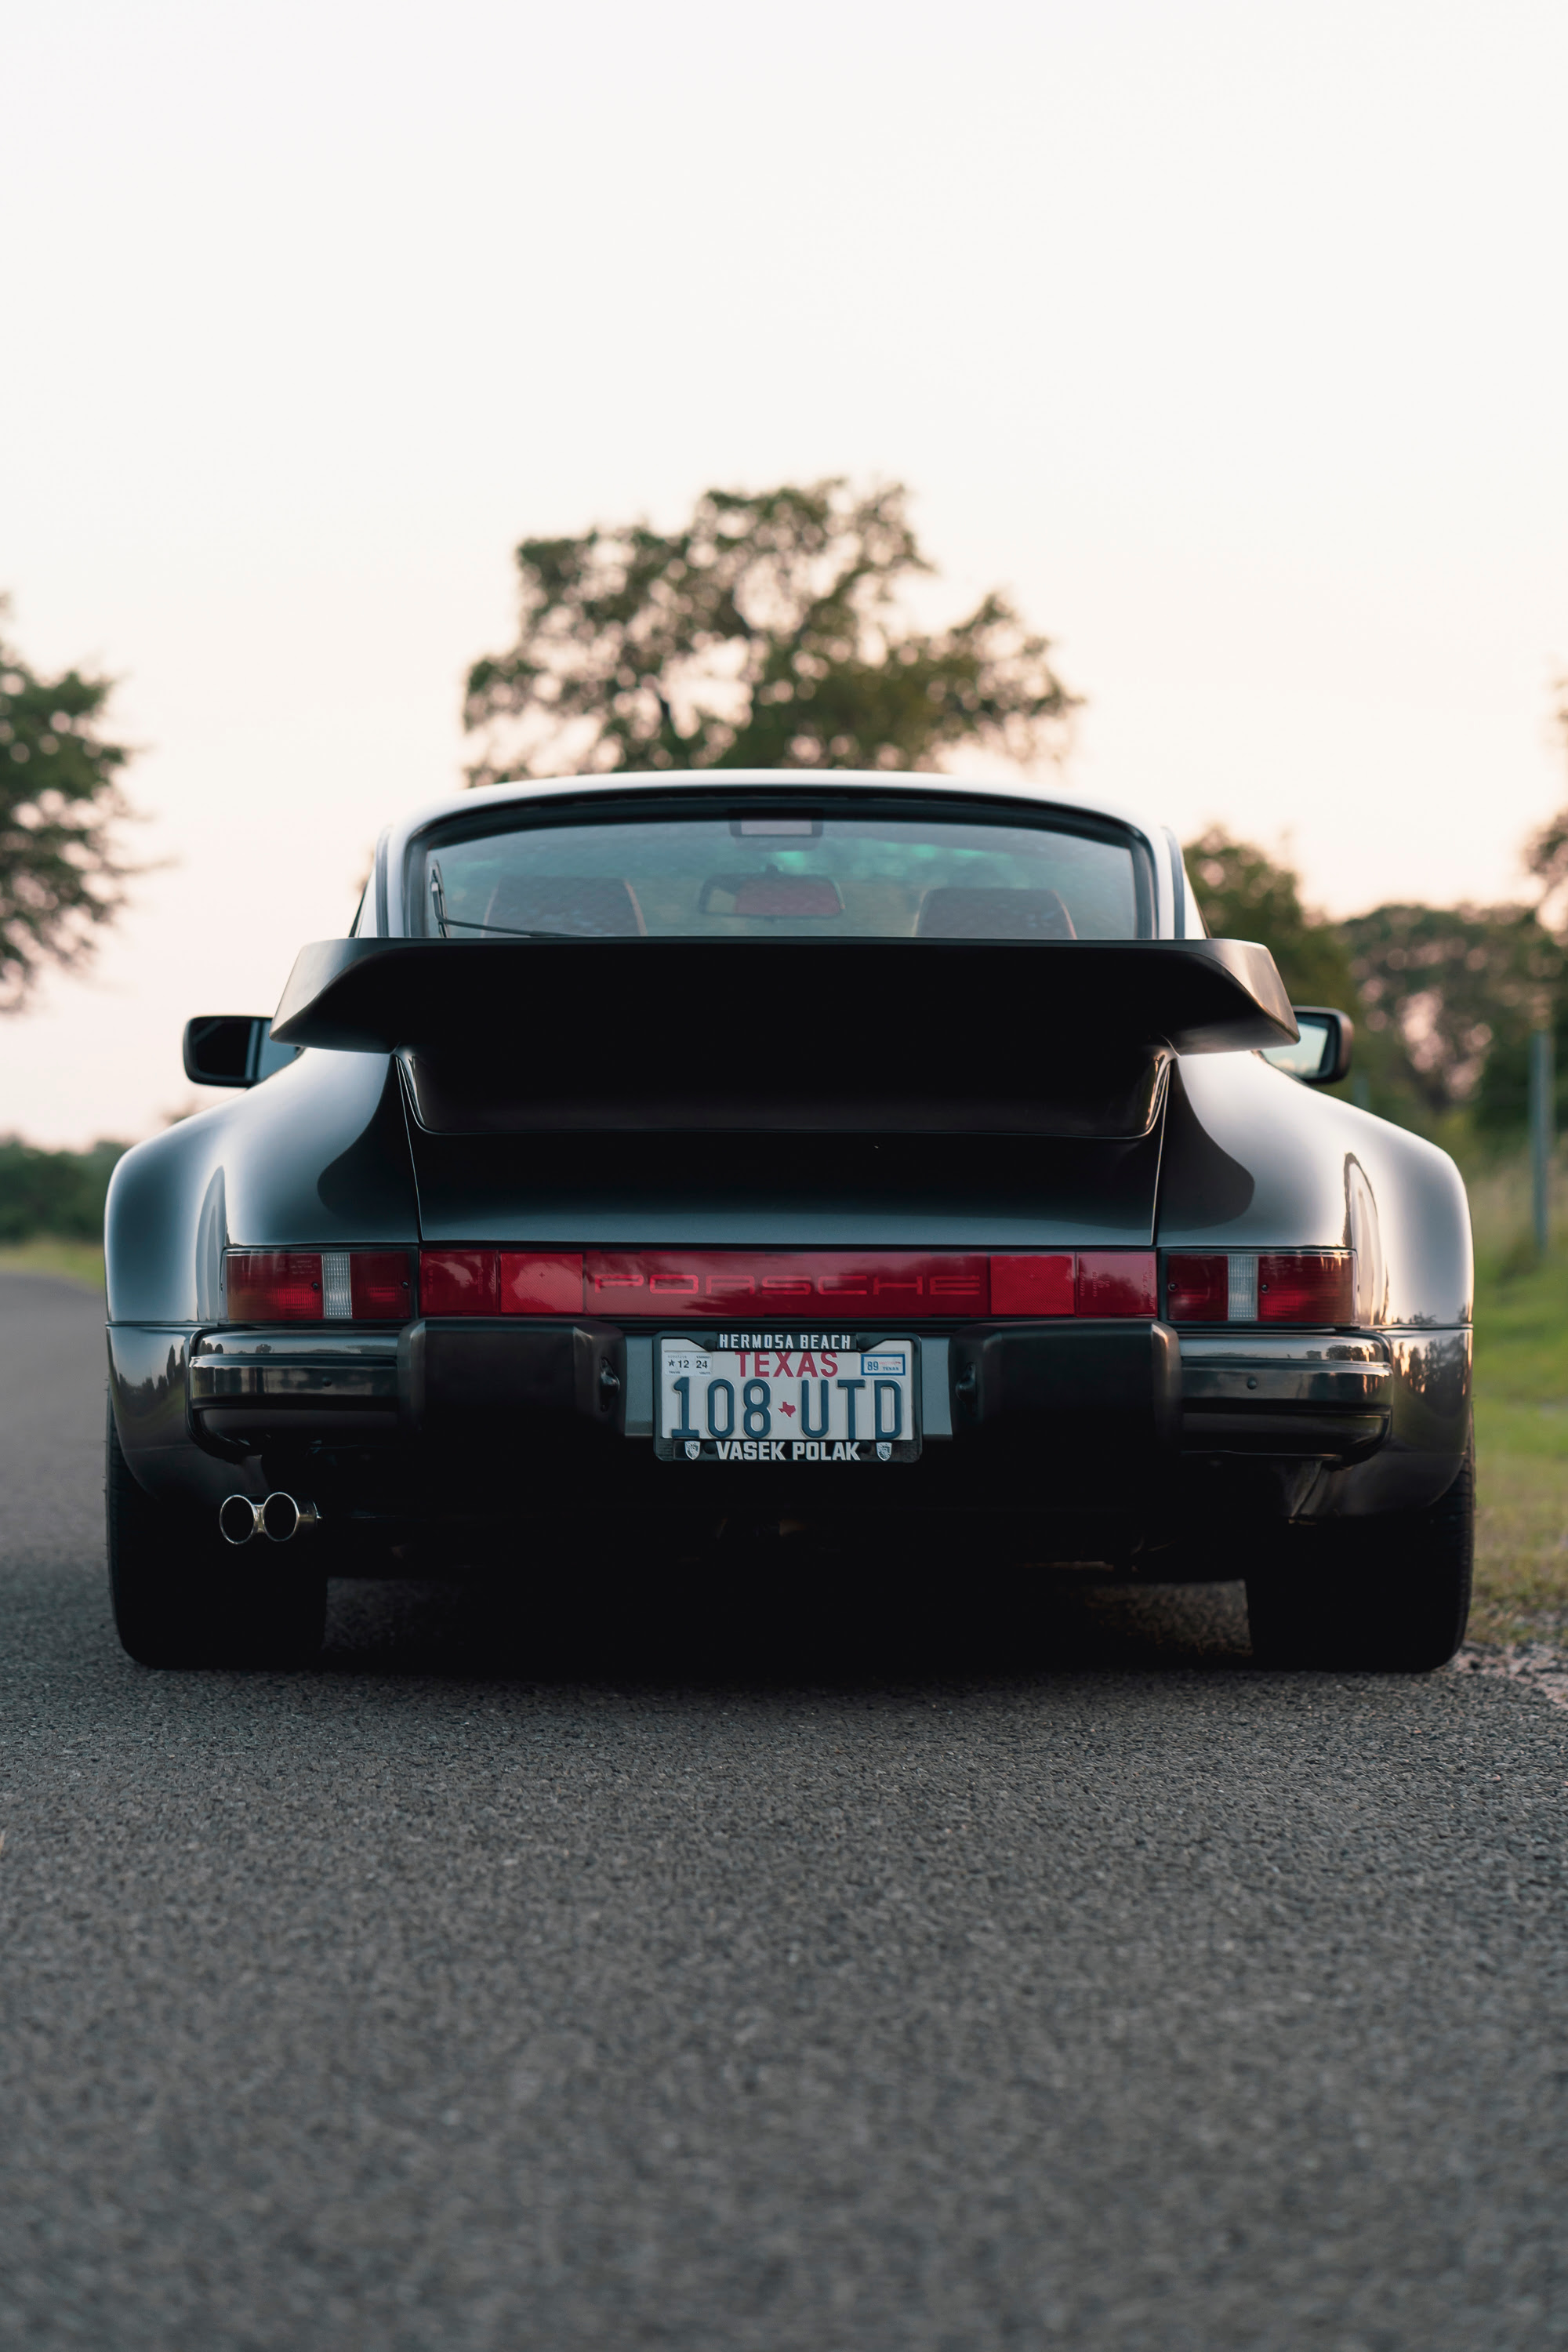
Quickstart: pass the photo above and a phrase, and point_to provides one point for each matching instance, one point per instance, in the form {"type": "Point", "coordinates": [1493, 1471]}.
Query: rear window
{"type": "Point", "coordinates": [748, 874]}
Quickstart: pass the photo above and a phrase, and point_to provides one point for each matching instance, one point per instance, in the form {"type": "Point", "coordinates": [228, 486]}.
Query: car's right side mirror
{"type": "Point", "coordinates": [233, 1049]}
{"type": "Point", "coordinates": [1322, 1054]}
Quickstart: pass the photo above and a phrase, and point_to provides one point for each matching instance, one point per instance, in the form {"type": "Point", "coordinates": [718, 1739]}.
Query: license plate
{"type": "Point", "coordinates": [795, 1402]}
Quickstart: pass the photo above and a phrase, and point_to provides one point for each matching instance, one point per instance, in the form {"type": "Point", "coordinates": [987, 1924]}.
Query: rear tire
{"type": "Point", "coordinates": [1389, 1595]}
{"type": "Point", "coordinates": [183, 1597]}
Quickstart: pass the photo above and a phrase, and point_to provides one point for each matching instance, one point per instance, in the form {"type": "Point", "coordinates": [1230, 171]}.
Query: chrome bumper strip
{"type": "Point", "coordinates": [1267, 1372]}
{"type": "Point", "coordinates": [1261, 1374]}
{"type": "Point", "coordinates": [1322, 1397]}
{"type": "Point", "coordinates": [326, 1367]}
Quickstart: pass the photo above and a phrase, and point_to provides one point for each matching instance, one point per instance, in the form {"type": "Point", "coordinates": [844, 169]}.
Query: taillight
{"type": "Point", "coordinates": [1197, 1289]}
{"type": "Point", "coordinates": [317, 1286]}
{"type": "Point", "coordinates": [379, 1288]}
{"type": "Point", "coordinates": [1260, 1287]}
{"type": "Point", "coordinates": [1306, 1286]}
{"type": "Point", "coordinates": [274, 1285]}
{"type": "Point", "coordinates": [708, 1285]}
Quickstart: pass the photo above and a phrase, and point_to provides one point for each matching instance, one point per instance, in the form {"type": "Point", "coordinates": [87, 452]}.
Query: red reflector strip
{"type": "Point", "coordinates": [535, 1282]}
{"type": "Point", "coordinates": [1118, 1282]}
{"type": "Point", "coordinates": [379, 1286]}
{"type": "Point", "coordinates": [714, 1285]}
{"type": "Point", "coordinates": [1197, 1289]}
{"type": "Point", "coordinates": [459, 1282]}
{"type": "Point", "coordinates": [676, 1285]}
{"type": "Point", "coordinates": [274, 1285]}
{"type": "Point", "coordinates": [1032, 1285]}
{"type": "Point", "coordinates": [1306, 1286]}
{"type": "Point", "coordinates": [1088, 1282]}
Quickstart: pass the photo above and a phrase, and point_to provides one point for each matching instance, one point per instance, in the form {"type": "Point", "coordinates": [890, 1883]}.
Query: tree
{"type": "Point", "coordinates": [59, 802]}
{"type": "Point", "coordinates": [54, 1192]}
{"type": "Point", "coordinates": [1244, 894]}
{"type": "Point", "coordinates": [1546, 852]}
{"type": "Point", "coordinates": [765, 633]}
{"type": "Point", "coordinates": [1461, 988]}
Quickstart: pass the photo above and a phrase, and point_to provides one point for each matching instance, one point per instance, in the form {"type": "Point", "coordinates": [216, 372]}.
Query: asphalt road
{"type": "Point", "coordinates": [756, 1985]}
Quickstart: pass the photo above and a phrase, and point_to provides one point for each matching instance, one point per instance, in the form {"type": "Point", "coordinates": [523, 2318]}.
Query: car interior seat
{"type": "Point", "coordinates": [958, 911]}
{"type": "Point", "coordinates": [579, 907]}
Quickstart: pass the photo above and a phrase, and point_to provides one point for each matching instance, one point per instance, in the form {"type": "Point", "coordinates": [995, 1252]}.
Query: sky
{"type": "Point", "coordinates": [1229, 339]}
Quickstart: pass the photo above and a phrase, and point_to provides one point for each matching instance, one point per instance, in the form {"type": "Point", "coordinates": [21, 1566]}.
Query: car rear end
{"type": "Point", "coordinates": [790, 1149]}
{"type": "Point", "coordinates": [1074, 1398]}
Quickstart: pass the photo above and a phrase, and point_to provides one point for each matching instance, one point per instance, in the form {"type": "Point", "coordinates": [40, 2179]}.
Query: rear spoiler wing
{"type": "Point", "coordinates": [1060, 1037]}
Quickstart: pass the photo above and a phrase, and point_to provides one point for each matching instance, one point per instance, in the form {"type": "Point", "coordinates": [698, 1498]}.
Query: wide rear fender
{"type": "Point", "coordinates": [317, 1156]}
{"type": "Point", "coordinates": [1255, 1160]}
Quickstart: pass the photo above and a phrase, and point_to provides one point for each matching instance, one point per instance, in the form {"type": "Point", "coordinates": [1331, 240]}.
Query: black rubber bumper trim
{"type": "Point", "coordinates": [456, 1378]}
{"type": "Point", "coordinates": [1070, 1392]}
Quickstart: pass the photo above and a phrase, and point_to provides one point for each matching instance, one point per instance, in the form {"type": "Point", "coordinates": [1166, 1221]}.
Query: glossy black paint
{"type": "Point", "coordinates": [318, 1155]}
{"type": "Point", "coordinates": [1254, 1160]}
{"type": "Point", "coordinates": [334, 1152]}
{"type": "Point", "coordinates": [1195, 996]}
{"type": "Point", "coordinates": [705, 1190]}
{"type": "Point", "coordinates": [148, 1388]}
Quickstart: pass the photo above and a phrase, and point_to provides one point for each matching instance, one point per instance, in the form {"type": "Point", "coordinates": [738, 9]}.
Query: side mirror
{"type": "Point", "coordinates": [1321, 1054]}
{"type": "Point", "coordinates": [233, 1049]}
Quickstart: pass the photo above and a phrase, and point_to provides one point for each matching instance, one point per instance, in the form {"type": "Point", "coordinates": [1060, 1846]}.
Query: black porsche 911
{"type": "Point", "coordinates": [890, 1158]}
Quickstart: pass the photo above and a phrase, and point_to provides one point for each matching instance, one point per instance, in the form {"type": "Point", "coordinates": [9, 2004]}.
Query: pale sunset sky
{"type": "Point", "coordinates": [1230, 339]}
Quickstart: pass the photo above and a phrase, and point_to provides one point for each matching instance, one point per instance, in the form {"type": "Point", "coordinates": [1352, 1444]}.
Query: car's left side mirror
{"type": "Point", "coordinates": [233, 1049]}
{"type": "Point", "coordinates": [1322, 1054]}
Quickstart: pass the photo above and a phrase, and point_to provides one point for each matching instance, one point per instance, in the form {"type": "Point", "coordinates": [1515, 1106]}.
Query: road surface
{"type": "Point", "coordinates": [754, 1982]}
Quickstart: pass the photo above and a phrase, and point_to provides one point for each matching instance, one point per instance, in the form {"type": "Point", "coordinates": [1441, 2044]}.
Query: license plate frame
{"type": "Point", "coordinates": [683, 1430]}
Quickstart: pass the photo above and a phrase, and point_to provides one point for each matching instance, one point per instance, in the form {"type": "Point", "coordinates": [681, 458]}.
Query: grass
{"type": "Point", "coordinates": [1521, 1448]}
{"type": "Point", "coordinates": [1521, 1400]}
{"type": "Point", "coordinates": [51, 1253]}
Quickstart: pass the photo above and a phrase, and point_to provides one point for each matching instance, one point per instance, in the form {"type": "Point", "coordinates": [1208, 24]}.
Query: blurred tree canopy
{"type": "Point", "coordinates": [1460, 988]}
{"type": "Point", "coordinates": [54, 1192]}
{"type": "Point", "coordinates": [1244, 894]}
{"type": "Point", "coordinates": [59, 800]}
{"type": "Point", "coordinates": [1444, 997]}
{"type": "Point", "coordinates": [1546, 852]}
{"type": "Point", "coordinates": [766, 633]}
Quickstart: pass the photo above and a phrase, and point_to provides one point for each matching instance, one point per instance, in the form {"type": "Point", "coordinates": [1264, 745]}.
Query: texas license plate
{"type": "Point", "coordinates": [802, 1398]}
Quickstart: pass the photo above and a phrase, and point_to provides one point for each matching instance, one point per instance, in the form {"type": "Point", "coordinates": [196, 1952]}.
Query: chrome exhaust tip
{"type": "Point", "coordinates": [238, 1519]}
{"type": "Point", "coordinates": [280, 1517]}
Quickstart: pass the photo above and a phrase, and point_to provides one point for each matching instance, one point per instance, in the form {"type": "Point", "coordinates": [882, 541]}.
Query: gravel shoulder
{"type": "Point", "coordinates": [585, 1967]}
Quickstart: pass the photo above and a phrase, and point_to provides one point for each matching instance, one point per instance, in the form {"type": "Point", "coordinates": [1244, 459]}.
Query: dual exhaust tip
{"type": "Point", "coordinates": [279, 1519]}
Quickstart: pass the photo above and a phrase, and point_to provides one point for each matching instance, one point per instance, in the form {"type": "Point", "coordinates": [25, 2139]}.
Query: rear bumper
{"type": "Point", "coordinates": [1133, 1390]}
{"type": "Point", "coordinates": [1135, 1424]}
{"type": "Point", "coordinates": [1324, 1397]}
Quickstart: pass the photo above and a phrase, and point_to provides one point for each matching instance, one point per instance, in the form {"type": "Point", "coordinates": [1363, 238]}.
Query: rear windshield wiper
{"type": "Point", "coordinates": [446, 924]}
{"type": "Point", "coordinates": [451, 923]}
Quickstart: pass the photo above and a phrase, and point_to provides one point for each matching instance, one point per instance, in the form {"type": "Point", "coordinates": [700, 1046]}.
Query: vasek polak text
{"type": "Point", "coordinates": [794, 1449]}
